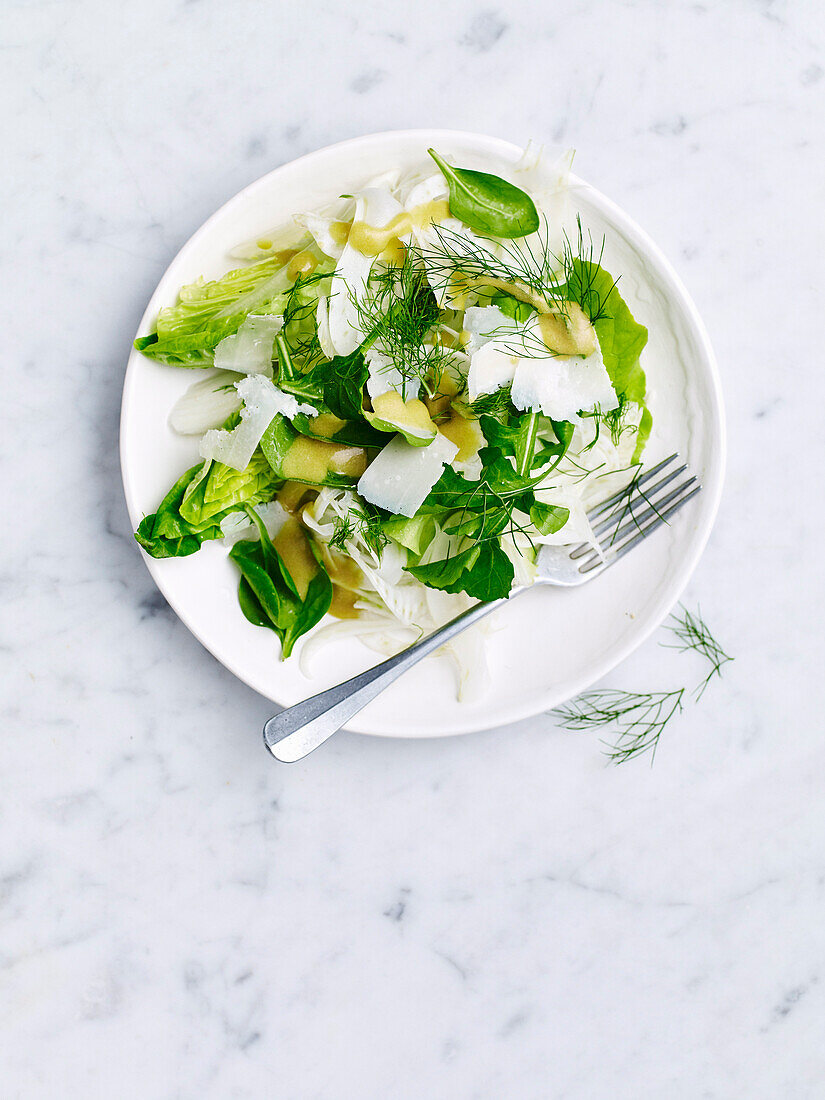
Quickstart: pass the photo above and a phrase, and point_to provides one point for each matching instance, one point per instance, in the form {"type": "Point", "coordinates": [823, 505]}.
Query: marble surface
{"type": "Point", "coordinates": [501, 915]}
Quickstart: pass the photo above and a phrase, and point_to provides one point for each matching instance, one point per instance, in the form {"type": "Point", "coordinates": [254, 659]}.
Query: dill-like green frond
{"type": "Point", "coordinates": [639, 718]}
{"type": "Point", "coordinates": [692, 633]}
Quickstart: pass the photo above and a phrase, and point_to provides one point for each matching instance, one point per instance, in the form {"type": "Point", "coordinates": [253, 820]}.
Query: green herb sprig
{"type": "Point", "coordinates": [362, 522]}
{"type": "Point", "coordinates": [640, 718]}
{"type": "Point", "coordinates": [692, 633]}
{"type": "Point", "coordinates": [399, 316]}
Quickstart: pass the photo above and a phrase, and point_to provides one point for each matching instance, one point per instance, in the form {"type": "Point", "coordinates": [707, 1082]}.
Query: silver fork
{"type": "Point", "coordinates": [620, 523]}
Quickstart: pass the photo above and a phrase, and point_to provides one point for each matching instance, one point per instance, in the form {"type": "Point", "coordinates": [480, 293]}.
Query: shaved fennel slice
{"type": "Point", "coordinates": [415, 191]}
{"type": "Point", "coordinates": [262, 402]}
{"type": "Point", "coordinates": [238, 525]}
{"type": "Point", "coordinates": [376, 207]}
{"type": "Point", "coordinates": [320, 229]}
{"type": "Point", "coordinates": [322, 327]}
{"type": "Point", "coordinates": [249, 350]}
{"type": "Point", "coordinates": [384, 375]}
{"type": "Point", "coordinates": [280, 239]}
{"type": "Point", "coordinates": [207, 403]}
{"type": "Point", "coordinates": [548, 183]}
{"type": "Point", "coordinates": [561, 387]}
{"type": "Point", "coordinates": [401, 476]}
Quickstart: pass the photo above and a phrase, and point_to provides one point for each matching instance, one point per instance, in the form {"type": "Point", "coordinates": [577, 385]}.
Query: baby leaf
{"type": "Point", "coordinates": [268, 595]}
{"type": "Point", "coordinates": [549, 518]}
{"type": "Point", "coordinates": [486, 203]}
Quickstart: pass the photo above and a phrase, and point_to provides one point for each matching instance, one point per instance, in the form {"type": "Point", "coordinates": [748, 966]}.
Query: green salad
{"type": "Point", "coordinates": [399, 399]}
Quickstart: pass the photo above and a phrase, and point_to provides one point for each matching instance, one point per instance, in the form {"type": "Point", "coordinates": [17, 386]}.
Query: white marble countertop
{"type": "Point", "coordinates": [500, 915]}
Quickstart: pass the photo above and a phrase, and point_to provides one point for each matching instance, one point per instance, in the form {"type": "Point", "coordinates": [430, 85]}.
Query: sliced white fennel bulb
{"type": "Point", "coordinates": [262, 401]}
{"type": "Point", "coordinates": [249, 350]}
{"type": "Point", "coordinates": [375, 207]}
{"type": "Point", "coordinates": [207, 403]}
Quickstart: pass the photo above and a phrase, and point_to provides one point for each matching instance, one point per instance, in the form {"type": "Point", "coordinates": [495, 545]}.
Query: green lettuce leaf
{"type": "Point", "coordinates": [621, 338]}
{"type": "Point", "coordinates": [166, 534]}
{"type": "Point", "coordinates": [217, 490]}
{"type": "Point", "coordinates": [192, 510]}
{"type": "Point", "coordinates": [187, 333]}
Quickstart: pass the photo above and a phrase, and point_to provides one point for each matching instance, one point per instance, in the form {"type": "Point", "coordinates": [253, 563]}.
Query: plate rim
{"type": "Point", "coordinates": [714, 474]}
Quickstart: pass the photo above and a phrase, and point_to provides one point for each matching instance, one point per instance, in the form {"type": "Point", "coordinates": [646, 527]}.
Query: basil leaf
{"type": "Point", "coordinates": [487, 203]}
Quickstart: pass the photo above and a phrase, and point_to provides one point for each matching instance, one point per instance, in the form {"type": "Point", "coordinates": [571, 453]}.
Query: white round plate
{"type": "Point", "coordinates": [548, 645]}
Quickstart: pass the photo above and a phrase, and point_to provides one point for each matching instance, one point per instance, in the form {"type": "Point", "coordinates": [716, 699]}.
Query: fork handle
{"type": "Point", "coordinates": [295, 732]}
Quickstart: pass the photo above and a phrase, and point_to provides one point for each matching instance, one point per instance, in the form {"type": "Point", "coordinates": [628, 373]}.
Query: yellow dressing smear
{"type": "Point", "coordinates": [302, 263]}
{"type": "Point", "coordinates": [371, 240]}
{"type": "Point", "coordinates": [292, 544]}
{"type": "Point", "coordinates": [339, 231]}
{"type": "Point", "coordinates": [312, 459]}
{"type": "Point", "coordinates": [326, 424]}
{"type": "Point", "coordinates": [466, 434]}
{"type": "Point", "coordinates": [293, 494]}
{"type": "Point", "coordinates": [568, 333]}
{"type": "Point", "coordinates": [411, 416]}
{"type": "Point", "coordinates": [347, 580]}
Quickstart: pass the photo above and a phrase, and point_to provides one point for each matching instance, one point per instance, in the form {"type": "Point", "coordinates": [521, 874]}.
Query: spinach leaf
{"type": "Point", "coordinates": [268, 595]}
{"type": "Point", "coordinates": [166, 534]}
{"type": "Point", "coordinates": [344, 378]}
{"type": "Point", "coordinates": [337, 384]}
{"type": "Point", "coordinates": [487, 203]}
{"type": "Point", "coordinates": [484, 572]}
{"type": "Point", "coordinates": [548, 518]}
{"type": "Point", "coordinates": [192, 510]}
{"type": "Point", "coordinates": [352, 433]}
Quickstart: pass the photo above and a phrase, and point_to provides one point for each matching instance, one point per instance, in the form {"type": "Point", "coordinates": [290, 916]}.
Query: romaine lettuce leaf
{"type": "Point", "coordinates": [218, 490]}
{"type": "Point", "coordinates": [187, 333]}
{"type": "Point", "coordinates": [192, 510]}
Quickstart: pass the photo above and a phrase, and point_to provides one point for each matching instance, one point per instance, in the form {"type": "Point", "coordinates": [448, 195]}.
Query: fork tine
{"type": "Point", "coordinates": [642, 480]}
{"type": "Point", "coordinates": [614, 520]}
{"type": "Point", "coordinates": [656, 523]}
{"type": "Point", "coordinates": [630, 492]}
{"type": "Point", "coordinates": [643, 525]}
